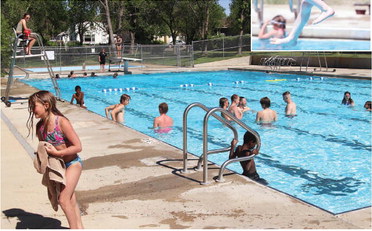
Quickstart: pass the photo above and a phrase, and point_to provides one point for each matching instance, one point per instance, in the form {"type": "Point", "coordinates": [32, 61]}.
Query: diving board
{"type": "Point", "coordinates": [28, 56]}
{"type": "Point", "coordinates": [125, 60]}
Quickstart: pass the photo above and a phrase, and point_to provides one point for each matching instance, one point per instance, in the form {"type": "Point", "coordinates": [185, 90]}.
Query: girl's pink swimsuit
{"type": "Point", "coordinates": [57, 138]}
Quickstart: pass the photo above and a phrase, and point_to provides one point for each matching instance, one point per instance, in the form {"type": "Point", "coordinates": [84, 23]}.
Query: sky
{"type": "Point", "coordinates": [225, 4]}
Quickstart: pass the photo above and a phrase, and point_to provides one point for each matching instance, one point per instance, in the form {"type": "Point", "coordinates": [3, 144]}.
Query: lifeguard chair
{"type": "Point", "coordinates": [18, 45]}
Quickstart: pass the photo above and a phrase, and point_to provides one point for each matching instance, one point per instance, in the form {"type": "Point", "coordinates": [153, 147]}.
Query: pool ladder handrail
{"type": "Point", "coordinates": [204, 157]}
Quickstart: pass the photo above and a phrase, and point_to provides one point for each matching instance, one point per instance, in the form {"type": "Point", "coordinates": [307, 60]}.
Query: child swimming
{"type": "Point", "coordinates": [278, 31]}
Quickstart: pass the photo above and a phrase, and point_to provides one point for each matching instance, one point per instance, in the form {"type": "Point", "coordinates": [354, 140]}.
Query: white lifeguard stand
{"type": "Point", "coordinates": [17, 47]}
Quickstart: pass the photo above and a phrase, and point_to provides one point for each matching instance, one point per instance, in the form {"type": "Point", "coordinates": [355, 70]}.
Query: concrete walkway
{"type": "Point", "coordinates": [131, 180]}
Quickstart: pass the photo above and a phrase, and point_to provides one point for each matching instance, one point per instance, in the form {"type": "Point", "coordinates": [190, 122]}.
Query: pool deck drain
{"type": "Point", "coordinates": [131, 180]}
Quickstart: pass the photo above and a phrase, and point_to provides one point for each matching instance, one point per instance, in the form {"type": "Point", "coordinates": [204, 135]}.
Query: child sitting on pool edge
{"type": "Point", "coordinates": [247, 149]}
{"type": "Point", "coordinates": [79, 97]}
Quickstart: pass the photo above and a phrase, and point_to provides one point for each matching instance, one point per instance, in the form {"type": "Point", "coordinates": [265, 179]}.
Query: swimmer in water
{"type": "Point", "coordinates": [368, 106]}
{"type": "Point", "coordinates": [234, 107]}
{"type": "Point", "coordinates": [278, 23]}
{"type": "Point", "coordinates": [243, 104]}
{"type": "Point", "coordinates": [117, 110]}
{"type": "Point", "coordinates": [266, 116]}
{"type": "Point", "coordinates": [290, 109]}
{"type": "Point", "coordinates": [347, 100]}
{"type": "Point", "coordinates": [163, 122]}
{"type": "Point", "coordinates": [302, 18]}
{"type": "Point", "coordinates": [224, 103]}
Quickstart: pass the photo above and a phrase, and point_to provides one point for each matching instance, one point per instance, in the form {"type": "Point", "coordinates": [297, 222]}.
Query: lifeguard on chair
{"type": "Point", "coordinates": [24, 33]}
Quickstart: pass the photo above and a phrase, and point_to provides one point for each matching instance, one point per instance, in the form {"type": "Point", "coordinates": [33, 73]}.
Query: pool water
{"type": "Point", "coordinates": [322, 156]}
{"type": "Point", "coordinates": [314, 45]}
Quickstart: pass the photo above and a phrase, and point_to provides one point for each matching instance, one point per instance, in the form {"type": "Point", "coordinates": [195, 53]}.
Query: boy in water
{"type": "Point", "coordinates": [234, 107]}
{"type": "Point", "coordinates": [117, 110]}
{"type": "Point", "coordinates": [79, 96]}
{"type": "Point", "coordinates": [290, 109]}
{"type": "Point", "coordinates": [243, 104]}
{"type": "Point", "coordinates": [164, 122]}
{"type": "Point", "coordinates": [224, 103]}
{"type": "Point", "coordinates": [247, 149]}
{"type": "Point", "coordinates": [266, 115]}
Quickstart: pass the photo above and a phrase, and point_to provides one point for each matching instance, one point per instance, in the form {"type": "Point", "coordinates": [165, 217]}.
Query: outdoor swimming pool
{"type": "Point", "coordinates": [322, 156]}
{"type": "Point", "coordinates": [314, 45]}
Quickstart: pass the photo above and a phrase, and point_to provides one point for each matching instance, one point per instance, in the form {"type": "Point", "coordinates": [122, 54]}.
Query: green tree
{"type": "Point", "coordinates": [11, 13]}
{"type": "Point", "coordinates": [6, 38]}
{"type": "Point", "coordinates": [240, 18]}
{"type": "Point", "coordinates": [81, 15]}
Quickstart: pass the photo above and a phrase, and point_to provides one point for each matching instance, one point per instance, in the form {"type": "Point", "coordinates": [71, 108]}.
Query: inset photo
{"type": "Point", "coordinates": [312, 25]}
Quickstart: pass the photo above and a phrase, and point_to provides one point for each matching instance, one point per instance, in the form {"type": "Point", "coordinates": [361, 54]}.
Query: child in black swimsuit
{"type": "Point", "coordinates": [247, 149]}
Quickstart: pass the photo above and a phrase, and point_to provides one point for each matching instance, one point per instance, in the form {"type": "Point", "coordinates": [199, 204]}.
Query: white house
{"type": "Point", "coordinates": [95, 34]}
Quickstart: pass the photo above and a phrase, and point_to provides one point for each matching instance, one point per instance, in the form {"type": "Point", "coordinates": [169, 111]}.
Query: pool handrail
{"type": "Point", "coordinates": [205, 142]}
{"type": "Point", "coordinates": [206, 152]}
{"type": "Point", "coordinates": [185, 113]}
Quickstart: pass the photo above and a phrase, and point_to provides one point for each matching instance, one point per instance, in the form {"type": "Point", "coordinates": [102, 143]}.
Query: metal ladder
{"type": "Point", "coordinates": [206, 152]}
{"type": "Point", "coordinates": [275, 62]}
{"type": "Point", "coordinates": [319, 61]}
{"type": "Point", "coordinates": [19, 41]}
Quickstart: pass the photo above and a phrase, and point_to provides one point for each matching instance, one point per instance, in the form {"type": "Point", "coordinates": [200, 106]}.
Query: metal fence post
{"type": "Point", "coordinates": [223, 46]}
{"type": "Point", "coordinates": [178, 52]}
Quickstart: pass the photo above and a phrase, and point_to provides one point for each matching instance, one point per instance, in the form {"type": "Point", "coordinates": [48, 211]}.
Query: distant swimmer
{"type": "Point", "coordinates": [266, 116]}
{"type": "Point", "coordinates": [368, 106]}
{"type": "Point", "coordinates": [163, 123]}
{"type": "Point", "coordinates": [290, 109]}
{"type": "Point", "coordinates": [303, 18]}
{"type": "Point", "coordinates": [347, 100]}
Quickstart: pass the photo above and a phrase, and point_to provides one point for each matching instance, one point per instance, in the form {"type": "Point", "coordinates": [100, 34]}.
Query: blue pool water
{"type": "Point", "coordinates": [322, 156]}
{"type": "Point", "coordinates": [76, 68]}
{"type": "Point", "coordinates": [314, 45]}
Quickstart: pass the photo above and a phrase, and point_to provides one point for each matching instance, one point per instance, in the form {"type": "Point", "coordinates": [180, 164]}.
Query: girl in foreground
{"type": "Point", "coordinates": [54, 128]}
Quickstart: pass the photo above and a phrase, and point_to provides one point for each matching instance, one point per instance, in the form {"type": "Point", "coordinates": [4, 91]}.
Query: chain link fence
{"type": "Point", "coordinates": [223, 47]}
{"type": "Point", "coordinates": [164, 55]}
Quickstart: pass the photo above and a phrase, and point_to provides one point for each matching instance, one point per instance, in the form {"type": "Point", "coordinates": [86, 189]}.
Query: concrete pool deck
{"type": "Point", "coordinates": [131, 180]}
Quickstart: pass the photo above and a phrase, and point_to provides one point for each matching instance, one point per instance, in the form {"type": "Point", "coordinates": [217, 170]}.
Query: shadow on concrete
{"type": "Point", "coordinates": [178, 172]}
{"type": "Point", "coordinates": [29, 220]}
